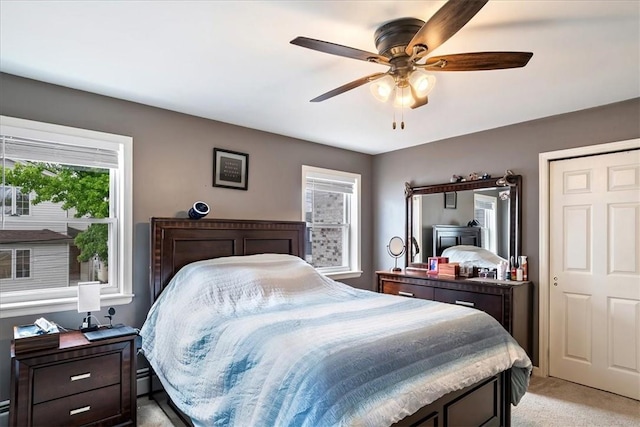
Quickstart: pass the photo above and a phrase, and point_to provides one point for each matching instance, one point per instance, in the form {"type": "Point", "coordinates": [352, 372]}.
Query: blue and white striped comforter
{"type": "Point", "coordinates": [264, 340]}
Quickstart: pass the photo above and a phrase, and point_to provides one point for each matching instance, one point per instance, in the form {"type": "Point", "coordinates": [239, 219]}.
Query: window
{"type": "Point", "coordinates": [23, 263]}
{"type": "Point", "coordinates": [485, 209]}
{"type": "Point", "coordinates": [14, 201]}
{"type": "Point", "coordinates": [6, 264]}
{"type": "Point", "coordinates": [331, 209]}
{"type": "Point", "coordinates": [66, 195]}
{"type": "Point", "coordinates": [18, 260]}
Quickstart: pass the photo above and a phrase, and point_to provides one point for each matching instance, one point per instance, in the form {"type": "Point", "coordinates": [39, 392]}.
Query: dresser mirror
{"type": "Point", "coordinates": [484, 213]}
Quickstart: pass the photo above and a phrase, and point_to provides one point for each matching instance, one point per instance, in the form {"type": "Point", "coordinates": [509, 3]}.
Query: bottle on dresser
{"type": "Point", "coordinates": [502, 270]}
{"type": "Point", "coordinates": [525, 267]}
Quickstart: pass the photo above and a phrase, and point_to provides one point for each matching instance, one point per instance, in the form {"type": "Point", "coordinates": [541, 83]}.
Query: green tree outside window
{"type": "Point", "coordinates": [86, 190]}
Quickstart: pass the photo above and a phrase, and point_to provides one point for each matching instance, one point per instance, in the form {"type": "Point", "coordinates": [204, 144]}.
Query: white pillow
{"type": "Point", "coordinates": [479, 257]}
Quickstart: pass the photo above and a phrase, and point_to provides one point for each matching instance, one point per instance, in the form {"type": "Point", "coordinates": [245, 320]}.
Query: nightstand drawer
{"type": "Point", "coordinates": [491, 304]}
{"type": "Point", "coordinates": [71, 377]}
{"type": "Point", "coordinates": [79, 409]}
{"type": "Point", "coordinates": [407, 290]}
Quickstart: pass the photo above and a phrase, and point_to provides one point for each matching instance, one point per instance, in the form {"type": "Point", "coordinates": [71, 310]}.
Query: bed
{"type": "Point", "coordinates": [274, 343]}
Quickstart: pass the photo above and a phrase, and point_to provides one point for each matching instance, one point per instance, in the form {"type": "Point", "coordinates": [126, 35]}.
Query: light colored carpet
{"type": "Point", "coordinates": [549, 402]}
{"type": "Point", "coordinates": [554, 402]}
{"type": "Point", "coordinates": [151, 415]}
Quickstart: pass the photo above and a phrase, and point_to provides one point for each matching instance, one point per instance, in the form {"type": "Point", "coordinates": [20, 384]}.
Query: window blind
{"type": "Point", "coordinates": [333, 186]}
{"type": "Point", "coordinates": [51, 152]}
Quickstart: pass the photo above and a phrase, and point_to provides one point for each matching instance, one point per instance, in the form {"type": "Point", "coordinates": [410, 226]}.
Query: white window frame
{"type": "Point", "coordinates": [14, 262]}
{"type": "Point", "coordinates": [14, 200]}
{"type": "Point", "coordinates": [354, 269]}
{"type": "Point", "coordinates": [10, 251]}
{"type": "Point", "coordinates": [62, 299]}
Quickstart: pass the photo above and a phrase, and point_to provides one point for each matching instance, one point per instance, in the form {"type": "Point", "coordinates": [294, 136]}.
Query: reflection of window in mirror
{"type": "Point", "coordinates": [416, 201]}
{"type": "Point", "coordinates": [484, 210]}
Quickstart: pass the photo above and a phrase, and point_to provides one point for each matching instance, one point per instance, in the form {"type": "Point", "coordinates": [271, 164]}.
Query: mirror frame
{"type": "Point", "coordinates": [515, 209]}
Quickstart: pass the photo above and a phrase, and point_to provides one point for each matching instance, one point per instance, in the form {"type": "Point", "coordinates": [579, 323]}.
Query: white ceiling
{"type": "Point", "coordinates": [231, 61]}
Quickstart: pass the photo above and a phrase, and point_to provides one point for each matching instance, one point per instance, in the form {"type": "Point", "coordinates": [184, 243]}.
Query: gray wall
{"type": "Point", "coordinates": [513, 147]}
{"type": "Point", "coordinates": [172, 168]}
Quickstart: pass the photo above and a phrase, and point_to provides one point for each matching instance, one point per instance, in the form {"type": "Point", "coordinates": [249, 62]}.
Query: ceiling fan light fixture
{"type": "Point", "coordinates": [403, 97]}
{"type": "Point", "coordinates": [382, 88]}
{"type": "Point", "coordinates": [422, 82]}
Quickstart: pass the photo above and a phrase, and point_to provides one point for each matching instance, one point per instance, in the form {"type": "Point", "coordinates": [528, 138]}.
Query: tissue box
{"type": "Point", "coordinates": [27, 338]}
{"type": "Point", "coordinates": [450, 269]}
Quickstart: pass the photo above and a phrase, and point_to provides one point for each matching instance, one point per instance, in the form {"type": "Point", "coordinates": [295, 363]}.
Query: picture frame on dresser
{"type": "Point", "coordinates": [230, 169]}
{"type": "Point", "coordinates": [434, 262]}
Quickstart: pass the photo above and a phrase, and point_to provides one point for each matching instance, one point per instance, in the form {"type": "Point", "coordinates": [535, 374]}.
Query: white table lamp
{"type": "Point", "coordinates": [88, 300]}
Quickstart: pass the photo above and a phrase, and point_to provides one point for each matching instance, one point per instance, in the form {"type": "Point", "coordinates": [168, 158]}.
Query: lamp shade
{"type": "Point", "coordinates": [421, 82]}
{"type": "Point", "coordinates": [88, 296]}
{"type": "Point", "coordinates": [382, 88]}
{"type": "Point", "coordinates": [403, 97]}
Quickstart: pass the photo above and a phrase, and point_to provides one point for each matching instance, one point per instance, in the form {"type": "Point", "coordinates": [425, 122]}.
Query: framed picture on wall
{"type": "Point", "coordinates": [230, 169]}
{"type": "Point", "coordinates": [450, 201]}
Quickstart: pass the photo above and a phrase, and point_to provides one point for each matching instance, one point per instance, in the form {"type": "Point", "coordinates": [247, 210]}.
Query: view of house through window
{"type": "Point", "coordinates": [331, 210]}
{"type": "Point", "coordinates": [62, 215]}
{"type": "Point", "coordinates": [65, 230]}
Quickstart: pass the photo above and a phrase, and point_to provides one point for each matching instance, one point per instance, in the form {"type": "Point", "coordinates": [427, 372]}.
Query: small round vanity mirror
{"type": "Point", "coordinates": [396, 249]}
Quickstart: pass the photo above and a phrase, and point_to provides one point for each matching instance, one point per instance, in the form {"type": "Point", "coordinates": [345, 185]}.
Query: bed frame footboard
{"type": "Point", "coordinates": [486, 403]}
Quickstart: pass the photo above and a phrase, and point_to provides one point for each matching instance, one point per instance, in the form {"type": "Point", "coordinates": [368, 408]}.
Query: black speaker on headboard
{"type": "Point", "coordinates": [198, 210]}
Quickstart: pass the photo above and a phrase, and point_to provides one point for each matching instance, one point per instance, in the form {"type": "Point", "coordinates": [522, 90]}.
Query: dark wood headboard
{"type": "Point", "coordinates": [445, 236]}
{"type": "Point", "coordinates": [176, 242]}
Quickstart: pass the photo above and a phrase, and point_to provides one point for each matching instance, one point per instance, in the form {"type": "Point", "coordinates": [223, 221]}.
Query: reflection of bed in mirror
{"type": "Point", "coordinates": [446, 236]}
{"type": "Point", "coordinates": [473, 255]}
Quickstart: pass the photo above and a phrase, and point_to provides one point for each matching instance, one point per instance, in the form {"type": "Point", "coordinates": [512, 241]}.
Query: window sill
{"type": "Point", "coordinates": [54, 305]}
{"type": "Point", "coordinates": [344, 275]}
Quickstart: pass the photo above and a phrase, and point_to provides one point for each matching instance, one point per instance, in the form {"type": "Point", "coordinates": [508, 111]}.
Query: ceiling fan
{"type": "Point", "coordinates": [404, 43]}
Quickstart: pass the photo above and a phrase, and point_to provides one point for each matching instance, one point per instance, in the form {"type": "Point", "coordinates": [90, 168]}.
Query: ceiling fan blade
{"type": "Point", "coordinates": [477, 61]}
{"type": "Point", "coordinates": [337, 49]}
{"type": "Point", "coordinates": [445, 23]}
{"type": "Point", "coordinates": [344, 88]}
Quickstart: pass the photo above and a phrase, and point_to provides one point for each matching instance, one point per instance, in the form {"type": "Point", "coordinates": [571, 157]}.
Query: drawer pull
{"type": "Point", "coordinates": [465, 303]}
{"type": "Point", "coordinates": [79, 410]}
{"type": "Point", "coordinates": [81, 376]}
{"type": "Point", "coordinates": [405, 294]}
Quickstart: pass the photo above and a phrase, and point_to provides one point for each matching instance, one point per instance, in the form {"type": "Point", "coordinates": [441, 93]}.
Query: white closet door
{"type": "Point", "coordinates": [595, 271]}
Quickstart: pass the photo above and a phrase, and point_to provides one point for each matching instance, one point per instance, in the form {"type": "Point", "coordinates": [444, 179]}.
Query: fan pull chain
{"type": "Point", "coordinates": [394, 119]}
{"type": "Point", "coordinates": [401, 114]}
{"type": "Point", "coordinates": [402, 110]}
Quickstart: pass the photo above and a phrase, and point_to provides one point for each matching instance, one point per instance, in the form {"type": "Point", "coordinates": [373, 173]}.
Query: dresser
{"type": "Point", "coordinates": [510, 304]}
{"type": "Point", "coordinates": [78, 383]}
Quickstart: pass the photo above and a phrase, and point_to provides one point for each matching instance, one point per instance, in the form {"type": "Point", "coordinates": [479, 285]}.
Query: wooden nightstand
{"type": "Point", "coordinates": [78, 383]}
